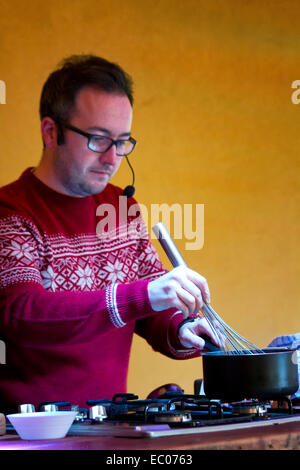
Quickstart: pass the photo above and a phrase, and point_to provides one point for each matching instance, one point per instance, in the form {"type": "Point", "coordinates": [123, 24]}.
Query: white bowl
{"type": "Point", "coordinates": [42, 424]}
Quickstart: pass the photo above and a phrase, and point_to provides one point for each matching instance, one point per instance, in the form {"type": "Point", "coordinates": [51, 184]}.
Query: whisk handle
{"type": "Point", "coordinates": [171, 250]}
{"type": "Point", "coordinates": [168, 245]}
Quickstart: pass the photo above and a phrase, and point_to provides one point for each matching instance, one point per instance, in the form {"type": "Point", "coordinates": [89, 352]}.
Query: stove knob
{"type": "Point", "coordinates": [50, 407]}
{"type": "Point", "coordinates": [97, 413]}
{"type": "Point", "coordinates": [26, 408]}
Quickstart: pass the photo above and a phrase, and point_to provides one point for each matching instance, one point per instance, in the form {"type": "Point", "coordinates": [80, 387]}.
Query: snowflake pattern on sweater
{"type": "Point", "coordinates": [72, 263]}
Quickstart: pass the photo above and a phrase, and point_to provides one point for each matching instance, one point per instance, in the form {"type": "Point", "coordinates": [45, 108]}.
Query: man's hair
{"type": "Point", "coordinates": [62, 86]}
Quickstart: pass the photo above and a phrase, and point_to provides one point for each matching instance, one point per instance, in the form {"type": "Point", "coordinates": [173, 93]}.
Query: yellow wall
{"type": "Point", "coordinates": [215, 125]}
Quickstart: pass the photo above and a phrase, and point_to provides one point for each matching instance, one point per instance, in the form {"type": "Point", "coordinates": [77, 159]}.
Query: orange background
{"type": "Point", "coordinates": [215, 123]}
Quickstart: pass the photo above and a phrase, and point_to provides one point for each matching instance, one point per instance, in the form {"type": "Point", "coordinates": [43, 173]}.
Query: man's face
{"type": "Point", "coordinates": [80, 171]}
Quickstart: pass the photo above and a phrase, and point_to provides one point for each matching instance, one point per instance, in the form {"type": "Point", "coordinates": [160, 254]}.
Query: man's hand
{"type": "Point", "coordinates": [181, 288]}
{"type": "Point", "coordinates": [189, 334]}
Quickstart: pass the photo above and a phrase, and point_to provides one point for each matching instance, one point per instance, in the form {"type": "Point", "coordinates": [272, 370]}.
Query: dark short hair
{"type": "Point", "coordinates": [62, 86]}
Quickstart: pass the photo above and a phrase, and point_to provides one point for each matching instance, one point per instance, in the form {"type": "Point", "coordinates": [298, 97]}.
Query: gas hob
{"type": "Point", "coordinates": [173, 413]}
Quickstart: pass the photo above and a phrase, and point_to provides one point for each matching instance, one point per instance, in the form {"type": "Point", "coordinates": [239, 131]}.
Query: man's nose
{"type": "Point", "coordinates": [110, 156]}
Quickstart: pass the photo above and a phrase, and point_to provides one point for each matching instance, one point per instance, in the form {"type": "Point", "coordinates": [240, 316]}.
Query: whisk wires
{"type": "Point", "coordinates": [233, 342]}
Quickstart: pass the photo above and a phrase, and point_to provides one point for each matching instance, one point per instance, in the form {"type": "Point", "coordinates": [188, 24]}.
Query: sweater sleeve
{"type": "Point", "coordinates": [35, 316]}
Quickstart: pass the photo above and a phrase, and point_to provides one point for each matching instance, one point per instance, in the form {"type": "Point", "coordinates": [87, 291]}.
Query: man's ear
{"type": "Point", "coordinates": [49, 132]}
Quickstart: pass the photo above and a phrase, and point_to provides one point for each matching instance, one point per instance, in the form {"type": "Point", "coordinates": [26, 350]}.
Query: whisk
{"type": "Point", "coordinates": [231, 341]}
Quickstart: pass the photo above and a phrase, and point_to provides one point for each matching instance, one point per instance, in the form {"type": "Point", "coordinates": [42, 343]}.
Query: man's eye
{"type": "Point", "coordinates": [122, 143]}
{"type": "Point", "coordinates": [100, 138]}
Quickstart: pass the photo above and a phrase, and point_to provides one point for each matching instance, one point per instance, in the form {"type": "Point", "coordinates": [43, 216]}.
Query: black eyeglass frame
{"type": "Point", "coordinates": [113, 142]}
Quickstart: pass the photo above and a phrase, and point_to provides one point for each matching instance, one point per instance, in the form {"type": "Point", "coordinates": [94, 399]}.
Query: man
{"type": "Point", "coordinates": [71, 298]}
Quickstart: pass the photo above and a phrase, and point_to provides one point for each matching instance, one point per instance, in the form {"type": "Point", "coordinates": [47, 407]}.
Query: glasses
{"type": "Point", "coordinates": [101, 144]}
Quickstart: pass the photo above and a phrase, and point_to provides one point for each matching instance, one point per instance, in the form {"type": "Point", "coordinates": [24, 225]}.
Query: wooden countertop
{"type": "Point", "coordinates": [283, 436]}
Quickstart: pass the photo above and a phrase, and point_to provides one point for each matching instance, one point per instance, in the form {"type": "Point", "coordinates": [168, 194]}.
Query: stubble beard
{"type": "Point", "coordinates": [75, 181]}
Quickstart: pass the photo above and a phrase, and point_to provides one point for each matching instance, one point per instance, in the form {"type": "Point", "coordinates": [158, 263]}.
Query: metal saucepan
{"type": "Point", "coordinates": [266, 376]}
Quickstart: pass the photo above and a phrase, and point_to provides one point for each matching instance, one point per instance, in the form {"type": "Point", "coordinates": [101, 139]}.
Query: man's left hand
{"type": "Point", "coordinates": [190, 334]}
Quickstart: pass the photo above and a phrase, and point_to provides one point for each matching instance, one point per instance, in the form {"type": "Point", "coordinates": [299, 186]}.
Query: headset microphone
{"type": "Point", "coordinates": [129, 190]}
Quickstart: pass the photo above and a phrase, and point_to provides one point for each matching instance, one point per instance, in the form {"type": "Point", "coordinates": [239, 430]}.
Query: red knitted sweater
{"type": "Point", "coordinates": [72, 296]}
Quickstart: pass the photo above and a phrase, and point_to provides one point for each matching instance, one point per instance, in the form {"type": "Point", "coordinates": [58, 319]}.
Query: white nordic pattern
{"type": "Point", "coordinates": [72, 263]}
